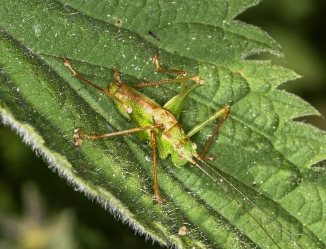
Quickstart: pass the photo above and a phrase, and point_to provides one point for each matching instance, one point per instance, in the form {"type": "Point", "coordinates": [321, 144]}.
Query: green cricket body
{"type": "Point", "coordinates": [171, 139]}
{"type": "Point", "coordinates": [153, 122]}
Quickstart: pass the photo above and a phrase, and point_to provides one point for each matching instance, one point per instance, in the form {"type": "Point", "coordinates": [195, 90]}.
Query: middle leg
{"type": "Point", "coordinates": [223, 113]}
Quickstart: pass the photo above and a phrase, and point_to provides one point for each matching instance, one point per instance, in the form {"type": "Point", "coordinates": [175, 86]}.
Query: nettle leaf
{"type": "Point", "coordinates": [263, 152]}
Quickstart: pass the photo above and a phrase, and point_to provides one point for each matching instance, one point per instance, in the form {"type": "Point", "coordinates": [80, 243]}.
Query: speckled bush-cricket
{"type": "Point", "coordinates": [159, 125]}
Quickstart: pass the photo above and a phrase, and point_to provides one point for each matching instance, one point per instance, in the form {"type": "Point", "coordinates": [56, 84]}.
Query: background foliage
{"type": "Point", "coordinates": [299, 30]}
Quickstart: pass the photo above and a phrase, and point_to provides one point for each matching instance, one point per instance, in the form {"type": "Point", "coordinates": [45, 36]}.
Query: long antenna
{"type": "Point", "coordinates": [240, 204]}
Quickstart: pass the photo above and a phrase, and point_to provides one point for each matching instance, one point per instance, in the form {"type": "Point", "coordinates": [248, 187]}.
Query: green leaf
{"type": "Point", "coordinates": [260, 142]}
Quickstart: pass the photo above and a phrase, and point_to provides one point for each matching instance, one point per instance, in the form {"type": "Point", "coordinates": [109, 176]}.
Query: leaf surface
{"type": "Point", "coordinates": [258, 143]}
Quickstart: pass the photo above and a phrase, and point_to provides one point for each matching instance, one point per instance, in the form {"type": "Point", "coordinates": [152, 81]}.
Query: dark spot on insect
{"type": "Point", "coordinates": [153, 35]}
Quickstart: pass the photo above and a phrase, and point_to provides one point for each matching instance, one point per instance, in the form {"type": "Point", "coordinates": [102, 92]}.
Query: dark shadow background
{"type": "Point", "coordinates": [297, 25]}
